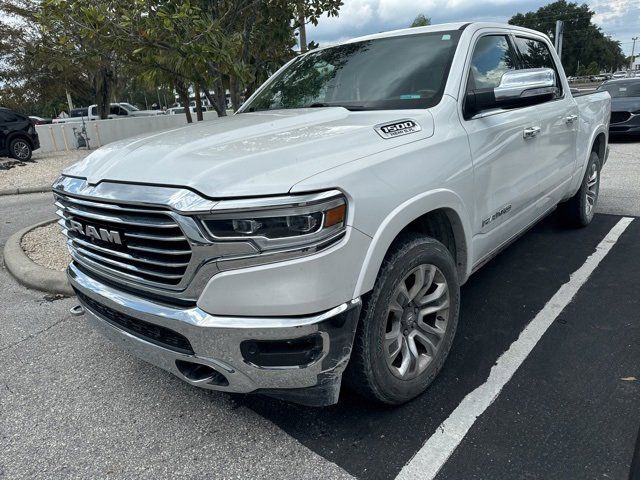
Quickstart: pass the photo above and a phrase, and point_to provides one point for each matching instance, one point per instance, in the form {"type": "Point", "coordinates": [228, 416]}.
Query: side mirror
{"type": "Point", "coordinates": [518, 88]}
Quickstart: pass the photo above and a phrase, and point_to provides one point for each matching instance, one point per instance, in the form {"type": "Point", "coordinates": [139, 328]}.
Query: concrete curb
{"type": "Point", "coordinates": [29, 273]}
{"type": "Point", "coordinates": [21, 190]}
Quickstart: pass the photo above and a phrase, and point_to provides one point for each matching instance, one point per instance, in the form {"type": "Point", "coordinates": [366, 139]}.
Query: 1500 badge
{"type": "Point", "coordinates": [397, 128]}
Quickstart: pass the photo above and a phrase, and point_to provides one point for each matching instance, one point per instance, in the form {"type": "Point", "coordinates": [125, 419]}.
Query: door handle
{"type": "Point", "coordinates": [531, 132]}
{"type": "Point", "coordinates": [570, 119]}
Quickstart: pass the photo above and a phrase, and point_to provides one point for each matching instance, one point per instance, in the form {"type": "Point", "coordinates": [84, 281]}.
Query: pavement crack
{"type": "Point", "coordinates": [33, 335]}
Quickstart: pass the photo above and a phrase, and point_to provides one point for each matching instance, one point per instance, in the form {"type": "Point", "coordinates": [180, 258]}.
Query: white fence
{"type": "Point", "coordinates": [59, 136]}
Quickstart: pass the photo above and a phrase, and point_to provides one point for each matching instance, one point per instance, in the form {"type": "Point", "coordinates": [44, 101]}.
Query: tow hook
{"type": "Point", "coordinates": [77, 311]}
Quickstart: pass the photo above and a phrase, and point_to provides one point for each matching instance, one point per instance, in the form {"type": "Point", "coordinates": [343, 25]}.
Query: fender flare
{"type": "Point", "coordinates": [402, 216]}
{"type": "Point", "coordinates": [600, 129]}
{"type": "Point", "coordinates": [582, 167]}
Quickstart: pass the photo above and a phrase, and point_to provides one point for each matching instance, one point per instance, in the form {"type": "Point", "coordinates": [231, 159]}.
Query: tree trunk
{"type": "Point", "coordinates": [234, 88]}
{"type": "Point", "coordinates": [183, 92]}
{"type": "Point", "coordinates": [199, 116]}
{"type": "Point", "coordinates": [211, 99]}
{"type": "Point", "coordinates": [218, 104]}
{"type": "Point", "coordinates": [104, 79]}
{"type": "Point", "coordinates": [221, 98]}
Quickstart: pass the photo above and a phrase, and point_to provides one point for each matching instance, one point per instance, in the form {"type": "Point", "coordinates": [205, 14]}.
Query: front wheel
{"type": "Point", "coordinates": [407, 324]}
{"type": "Point", "coordinates": [580, 208]}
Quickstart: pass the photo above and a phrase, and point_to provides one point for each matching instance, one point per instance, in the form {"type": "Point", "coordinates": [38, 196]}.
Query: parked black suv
{"type": "Point", "coordinates": [18, 137]}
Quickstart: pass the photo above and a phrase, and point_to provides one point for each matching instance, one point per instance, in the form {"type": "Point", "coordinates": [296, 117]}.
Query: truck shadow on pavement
{"type": "Point", "coordinates": [497, 303]}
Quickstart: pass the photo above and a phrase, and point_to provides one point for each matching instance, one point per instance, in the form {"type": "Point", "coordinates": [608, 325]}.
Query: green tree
{"type": "Point", "coordinates": [268, 34]}
{"type": "Point", "coordinates": [583, 41]}
{"type": "Point", "coordinates": [592, 69]}
{"type": "Point", "coordinates": [114, 46]}
{"type": "Point", "coordinates": [79, 32]}
{"type": "Point", "coordinates": [32, 80]}
{"type": "Point", "coordinates": [421, 21]}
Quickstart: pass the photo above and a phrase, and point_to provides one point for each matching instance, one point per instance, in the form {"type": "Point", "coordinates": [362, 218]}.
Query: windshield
{"type": "Point", "coordinates": [622, 89]}
{"type": "Point", "coordinates": [129, 107]}
{"type": "Point", "coordinates": [388, 73]}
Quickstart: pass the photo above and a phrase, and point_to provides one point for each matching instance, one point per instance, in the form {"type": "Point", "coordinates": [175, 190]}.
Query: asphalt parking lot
{"type": "Point", "coordinates": [74, 406]}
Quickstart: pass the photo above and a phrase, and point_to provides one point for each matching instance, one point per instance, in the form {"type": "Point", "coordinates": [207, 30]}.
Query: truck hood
{"type": "Point", "coordinates": [250, 154]}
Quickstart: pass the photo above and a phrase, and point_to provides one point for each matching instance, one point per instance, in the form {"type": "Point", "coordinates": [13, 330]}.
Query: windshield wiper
{"type": "Point", "coordinates": [348, 107]}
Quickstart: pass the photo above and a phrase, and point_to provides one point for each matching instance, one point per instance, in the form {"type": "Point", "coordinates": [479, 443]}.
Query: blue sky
{"type": "Point", "coordinates": [618, 18]}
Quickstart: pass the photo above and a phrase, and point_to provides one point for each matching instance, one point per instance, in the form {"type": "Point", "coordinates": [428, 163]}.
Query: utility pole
{"type": "Point", "coordinates": [633, 51]}
{"type": "Point", "coordinates": [559, 35]}
{"type": "Point", "coordinates": [302, 28]}
{"type": "Point", "coordinates": [69, 102]}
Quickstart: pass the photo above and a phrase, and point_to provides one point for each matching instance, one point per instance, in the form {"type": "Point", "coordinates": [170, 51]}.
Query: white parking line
{"type": "Point", "coordinates": [438, 448]}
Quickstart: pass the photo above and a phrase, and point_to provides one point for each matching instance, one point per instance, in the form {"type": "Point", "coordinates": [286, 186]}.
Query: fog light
{"type": "Point", "coordinates": [295, 352]}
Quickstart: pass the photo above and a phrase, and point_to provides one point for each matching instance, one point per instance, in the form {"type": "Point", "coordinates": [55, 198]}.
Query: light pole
{"type": "Point", "coordinates": [633, 51]}
{"type": "Point", "coordinates": [558, 39]}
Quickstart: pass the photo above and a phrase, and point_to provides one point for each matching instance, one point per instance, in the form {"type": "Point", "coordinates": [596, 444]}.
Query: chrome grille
{"type": "Point", "coordinates": [153, 249]}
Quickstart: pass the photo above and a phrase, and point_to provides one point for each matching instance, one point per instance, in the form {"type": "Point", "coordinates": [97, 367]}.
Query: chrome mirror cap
{"type": "Point", "coordinates": [527, 83]}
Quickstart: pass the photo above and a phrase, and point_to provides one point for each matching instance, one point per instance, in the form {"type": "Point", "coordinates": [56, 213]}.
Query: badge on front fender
{"type": "Point", "coordinates": [397, 128]}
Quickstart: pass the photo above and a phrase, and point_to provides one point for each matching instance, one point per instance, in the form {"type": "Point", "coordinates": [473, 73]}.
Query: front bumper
{"type": "Point", "coordinates": [213, 356]}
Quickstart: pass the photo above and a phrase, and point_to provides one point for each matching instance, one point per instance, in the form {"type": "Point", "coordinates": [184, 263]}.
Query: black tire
{"type": "Point", "coordinates": [20, 149]}
{"type": "Point", "coordinates": [576, 210]}
{"type": "Point", "coordinates": [368, 371]}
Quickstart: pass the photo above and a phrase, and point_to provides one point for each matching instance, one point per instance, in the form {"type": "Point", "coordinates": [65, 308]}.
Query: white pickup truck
{"type": "Point", "coordinates": [326, 228]}
{"type": "Point", "coordinates": [116, 110]}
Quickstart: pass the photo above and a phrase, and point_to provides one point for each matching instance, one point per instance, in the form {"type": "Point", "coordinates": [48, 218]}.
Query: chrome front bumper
{"type": "Point", "coordinates": [215, 342]}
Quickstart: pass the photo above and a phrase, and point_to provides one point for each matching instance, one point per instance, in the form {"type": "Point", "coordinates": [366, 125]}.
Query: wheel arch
{"type": "Point", "coordinates": [599, 145]}
{"type": "Point", "coordinates": [440, 214]}
{"type": "Point", "coordinates": [18, 134]}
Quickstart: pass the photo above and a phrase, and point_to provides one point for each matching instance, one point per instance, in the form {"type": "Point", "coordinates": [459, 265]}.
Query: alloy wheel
{"type": "Point", "coordinates": [592, 189]}
{"type": "Point", "coordinates": [21, 150]}
{"type": "Point", "coordinates": [417, 320]}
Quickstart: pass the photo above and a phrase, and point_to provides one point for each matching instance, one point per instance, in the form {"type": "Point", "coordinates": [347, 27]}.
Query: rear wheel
{"type": "Point", "coordinates": [580, 208]}
{"type": "Point", "coordinates": [407, 324]}
{"type": "Point", "coordinates": [20, 149]}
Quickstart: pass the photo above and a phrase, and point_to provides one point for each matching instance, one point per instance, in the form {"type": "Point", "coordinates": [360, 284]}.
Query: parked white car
{"type": "Point", "coordinates": [327, 227]}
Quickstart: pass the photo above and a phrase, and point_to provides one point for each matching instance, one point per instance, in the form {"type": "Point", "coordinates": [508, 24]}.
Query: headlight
{"type": "Point", "coordinates": [280, 222]}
